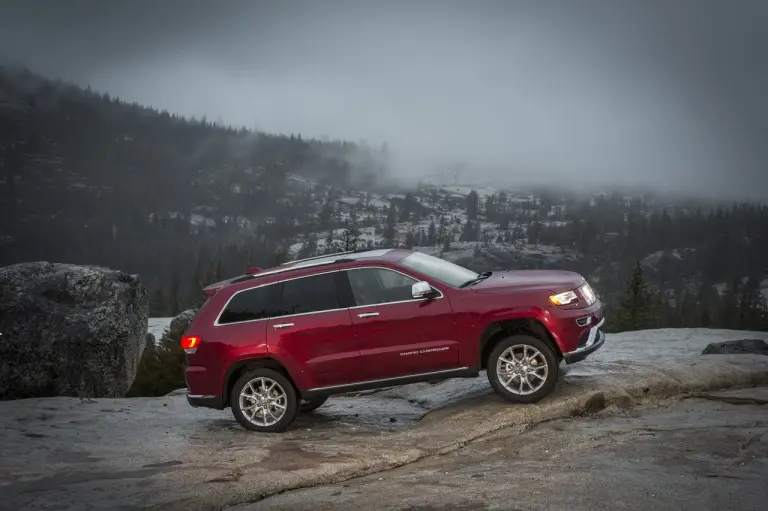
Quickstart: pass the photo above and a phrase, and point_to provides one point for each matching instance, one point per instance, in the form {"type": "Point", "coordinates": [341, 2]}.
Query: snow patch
{"type": "Point", "coordinates": [158, 327]}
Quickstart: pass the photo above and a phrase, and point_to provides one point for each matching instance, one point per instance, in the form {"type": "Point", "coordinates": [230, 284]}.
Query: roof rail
{"type": "Point", "coordinates": [282, 269]}
{"type": "Point", "coordinates": [329, 259]}
{"type": "Point", "coordinates": [317, 257]}
{"type": "Point", "coordinates": [344, 252]}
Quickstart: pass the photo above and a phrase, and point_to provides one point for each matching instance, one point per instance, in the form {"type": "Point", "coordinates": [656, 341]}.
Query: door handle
{"type": "Point", "coordinates": [282, 325]}
{"type": "Point", "coordinates": [367, 314]}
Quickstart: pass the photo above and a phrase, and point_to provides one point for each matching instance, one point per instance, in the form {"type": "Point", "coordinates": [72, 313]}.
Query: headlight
{"type": "Point", "coordinates": [588, 294]}
{"type": "Point", "coordinates": [564, 298]}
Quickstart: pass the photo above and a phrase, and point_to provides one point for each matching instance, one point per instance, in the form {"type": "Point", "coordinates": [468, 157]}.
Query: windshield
{"type": "Point", "coordinates": [438, 269]}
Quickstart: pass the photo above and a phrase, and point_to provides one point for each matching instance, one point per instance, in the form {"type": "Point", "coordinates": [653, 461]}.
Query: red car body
{"type": "Point", "coordinates": [353, 347]}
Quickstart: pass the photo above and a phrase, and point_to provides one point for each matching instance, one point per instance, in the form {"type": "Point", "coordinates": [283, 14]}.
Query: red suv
{"type": "Point", "coordinates": [275, 342]}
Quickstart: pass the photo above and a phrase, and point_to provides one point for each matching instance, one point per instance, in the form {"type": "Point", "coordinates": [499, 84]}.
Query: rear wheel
{"type": "Point", "coordinates": [308, 405]}
{"type": "Point", "coordinates": [522, 369]}
{"type": "Point", "coordinates": [264, 400]}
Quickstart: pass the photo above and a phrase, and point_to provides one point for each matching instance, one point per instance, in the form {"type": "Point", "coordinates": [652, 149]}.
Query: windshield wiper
{"type": "Point", "coordinates": [477, 279]}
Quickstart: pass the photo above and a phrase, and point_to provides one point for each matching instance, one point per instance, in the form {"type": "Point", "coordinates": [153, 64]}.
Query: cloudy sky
{"type": "Point", "coordinates": [668, 93]}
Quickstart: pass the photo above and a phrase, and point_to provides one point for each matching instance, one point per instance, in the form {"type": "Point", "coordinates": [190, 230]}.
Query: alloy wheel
{"type": "Point", "coordinates": [263, 401]}
{"type": "Point", "coordinates": [522, 369]}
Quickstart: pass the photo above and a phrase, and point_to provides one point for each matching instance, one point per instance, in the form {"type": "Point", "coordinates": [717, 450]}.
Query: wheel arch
{"type": "Point", "coordinates": [497, 330]}
{"type": "Point", "coordinates": [241, 366]}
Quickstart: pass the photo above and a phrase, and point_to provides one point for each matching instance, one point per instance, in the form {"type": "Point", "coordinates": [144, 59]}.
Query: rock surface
{"type": "Point", "coordinates": [687, 455]}
{"type": "Point", "coordinates": [162, 454]}
{"type": "Point", "coordinates": [182, 321]}
{"type": "Point", "coordinates": [737, 347]}
{"type": "Point", "coordinates": [69, 330]}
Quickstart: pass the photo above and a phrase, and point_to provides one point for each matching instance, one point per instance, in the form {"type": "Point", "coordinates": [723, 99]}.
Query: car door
{"type": "Point", "coordinates": [398, 335]}
{"type": "Point", "coordinates": [315, 331]}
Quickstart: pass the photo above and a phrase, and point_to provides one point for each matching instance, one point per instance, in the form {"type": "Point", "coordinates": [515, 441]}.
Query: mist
{"type": "Point", "coordinates": [662, 94]}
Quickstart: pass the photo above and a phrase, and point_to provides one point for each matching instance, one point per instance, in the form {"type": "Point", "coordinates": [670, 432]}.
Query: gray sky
{"type": "Point", "coordinates": [668, 93]}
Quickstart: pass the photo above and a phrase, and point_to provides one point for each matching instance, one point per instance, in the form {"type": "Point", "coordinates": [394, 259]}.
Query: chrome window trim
{"type": "Point", "coordinates": [218, 317]}
{"type": "Point", "coordinates": [216, 323]}
{"type": "Point", "coordinates": [442, 295]}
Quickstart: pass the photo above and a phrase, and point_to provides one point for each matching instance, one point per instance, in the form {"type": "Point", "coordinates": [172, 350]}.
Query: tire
{"type": "Point", "coordinates": [309, 405]}
{"type": "Point", "coordinates": [278, 384]}
{"type": "Point", "coordinates": [538, 388]}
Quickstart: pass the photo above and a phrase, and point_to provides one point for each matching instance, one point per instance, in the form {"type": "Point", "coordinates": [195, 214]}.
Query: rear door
{"type": "Point", "coordinates": [397, 334]}
{"type": "Point", "coordinates": [315, 331]}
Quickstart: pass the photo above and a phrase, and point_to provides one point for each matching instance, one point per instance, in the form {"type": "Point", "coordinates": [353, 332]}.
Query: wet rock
{"type": "Point", "coordinates": [737, 347]}
{"type": "Point", "coordinates": [69, 330]}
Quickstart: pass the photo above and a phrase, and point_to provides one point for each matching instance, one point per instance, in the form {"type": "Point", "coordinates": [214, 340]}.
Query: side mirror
{"type": "Point", "coordinates": [422, 289]}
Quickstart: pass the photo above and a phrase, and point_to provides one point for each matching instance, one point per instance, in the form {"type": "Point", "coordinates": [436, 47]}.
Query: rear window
{"type": "Point", "coordinates": [309, 294]}
{"type": "Point", "coordinates": [251, 304]}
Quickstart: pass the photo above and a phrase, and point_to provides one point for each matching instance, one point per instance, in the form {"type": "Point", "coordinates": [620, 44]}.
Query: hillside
{"type": "Point", "coordinates": [88, 179]}
{"type": "Point", "coordinates": [85, 177]}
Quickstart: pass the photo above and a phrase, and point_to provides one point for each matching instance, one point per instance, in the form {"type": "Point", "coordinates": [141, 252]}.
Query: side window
{"type": "Point", "coordinates": [309, 294]}
{"type": "Point", "coordinates": [371, 286]}
{"type": "Point", "coordinates": [256, 303]}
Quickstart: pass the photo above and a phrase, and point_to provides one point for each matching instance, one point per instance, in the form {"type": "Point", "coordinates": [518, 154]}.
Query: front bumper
{"type": "Point", "coordinates": [215, 402]}
{"type": "Point", "coordinates": [593, 341]}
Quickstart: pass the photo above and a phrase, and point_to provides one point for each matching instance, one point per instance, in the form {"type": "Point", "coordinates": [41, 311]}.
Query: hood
{"type": "Point", "coordinates": [520, 280]}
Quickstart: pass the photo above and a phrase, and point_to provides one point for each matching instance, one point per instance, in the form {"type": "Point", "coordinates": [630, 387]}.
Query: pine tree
{"type": "Point", "coordinates": [752, 306]}
{"type": "Point", "coordinates": [280, 256]}
{"type": "Point", "coordinates": [407, 208]}
{"type": "Point", "coordinates": [708, 301]}
{"type": "Point", "coordinates": [158, 305]}
{"type": "Point", "coordinates": [410, 240]}
{"type": "Point", "coordinates": [470, 231]}
{"type": "Point", "coordinates": [330, 246]}
{"type": "Point", "coordinates": [472, 205]}
{"type": "Point", "coordinates": [308, 248]}
{"type": "Point", "coordinates": [636, 309]}
{"type": "Point", "coordinates": [432, 234]}
{"type": "Point", "coordinates": [389, 229]}
{"type": "Point", "coordinates": [729, 305]}
{"type": "Point", "coordinates": [174, 305]}
{"type": "Point", "coordinates": [349, 237]}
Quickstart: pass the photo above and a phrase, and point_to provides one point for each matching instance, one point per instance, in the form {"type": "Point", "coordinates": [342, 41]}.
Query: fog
{"type": "Point", "coordinates": [658, 93]}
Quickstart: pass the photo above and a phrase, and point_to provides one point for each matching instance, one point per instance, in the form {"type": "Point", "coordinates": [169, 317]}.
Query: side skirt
{"type": "Point", "coordinates": [462, 372]}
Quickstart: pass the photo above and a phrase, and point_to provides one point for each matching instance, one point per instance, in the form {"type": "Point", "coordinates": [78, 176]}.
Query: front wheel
{"type": "Point", "coordinates": [264, 400]}
{"type": "Point", "coordinates": [522, 369]}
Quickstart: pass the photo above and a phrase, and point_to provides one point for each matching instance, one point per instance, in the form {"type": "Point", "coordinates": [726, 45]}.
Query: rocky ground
{"type": "Point", "coordinates": [703, 453]}
{"type": "Point", "coordinates": [65, 453]}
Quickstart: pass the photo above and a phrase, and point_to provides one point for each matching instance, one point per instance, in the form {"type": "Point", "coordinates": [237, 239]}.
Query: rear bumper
{"type": "Point", "coordinates": [594, 341]}
{"type": "Point", "coordinates": [215, 402]}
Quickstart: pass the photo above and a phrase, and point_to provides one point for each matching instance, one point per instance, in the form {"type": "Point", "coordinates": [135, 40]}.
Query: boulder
{"type": "Point", "coordinates": [68, 330]}
{"type": "Point", "coordinates": [737, 347]}
{"type": "Point", "coordinates": [180, 323]}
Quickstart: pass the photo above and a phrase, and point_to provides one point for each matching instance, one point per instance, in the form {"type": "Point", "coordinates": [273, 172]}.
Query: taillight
{"type": "Point", "coordinates": [189, 343]}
